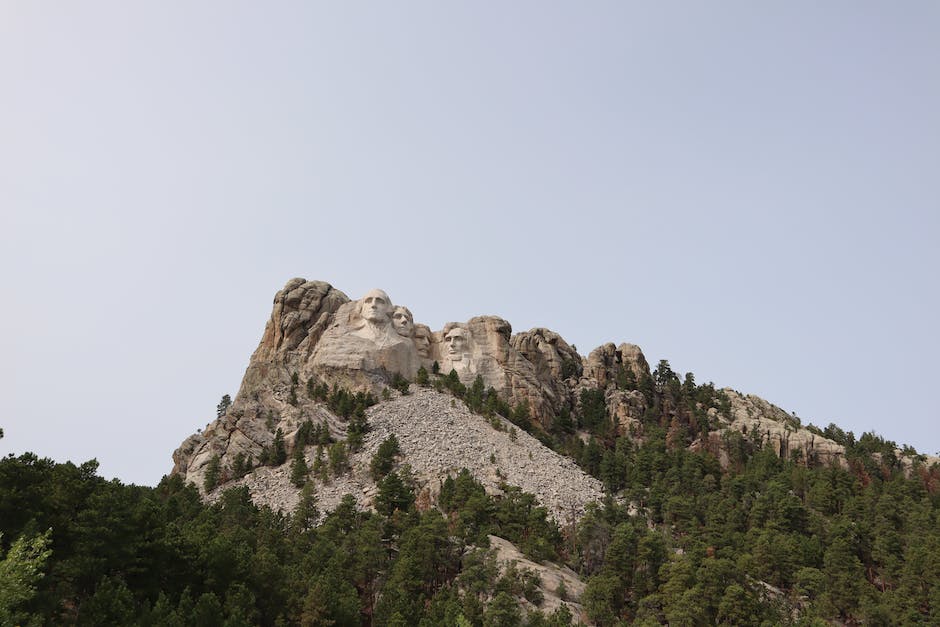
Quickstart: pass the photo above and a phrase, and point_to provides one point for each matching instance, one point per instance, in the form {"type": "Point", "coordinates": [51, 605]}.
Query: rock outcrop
{"type": "Point", "coordinates": [766, 424]}
{"type": "Point", "coordinates": [318, 338]}
{"type": "Point", "coordinates": [545, 373]}
{"type": "Point", "coordinates": [605, 363]}
{"type": "Point", "coordinates": [552, 578]}
{"type": "Point", "coordinates": [437, 438]}
{"type": "Point", "coordinates": [317, 334]}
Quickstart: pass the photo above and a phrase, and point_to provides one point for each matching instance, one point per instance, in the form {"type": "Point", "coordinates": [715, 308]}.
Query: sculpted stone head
{"type": "Point", "coordinates": [456, 344]}
{"type": "Point", "coordinates": [422, 338]}
{"type": "Point", "coordinates": [376, 307]}
{"type": "Point", "coordinates": [403, 321]}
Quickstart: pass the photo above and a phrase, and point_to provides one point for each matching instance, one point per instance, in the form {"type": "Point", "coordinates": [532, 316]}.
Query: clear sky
{"type": "Point", "coordinates": [749, 190]}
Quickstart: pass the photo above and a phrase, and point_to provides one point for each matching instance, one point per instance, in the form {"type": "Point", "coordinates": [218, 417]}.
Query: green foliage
{"type": "Point", "coordinates": [305, 515]}
{"type": "Point", "coordinates": [241, 465]}
{"type": "Point", "coordinates": [593, 409]}
{"type": "Point", "coordinates": [503, 611]}
{"type": "Point", "coordinates": [452, 383]}
{"type": "Point", "coordinates": [422, 377]}
{"type": "Point", "coordinates": [355, 430]}
{"type": "Point", "coordinates": [384, 459]}
{"type": "Point", "coordinates": [400, 383]}
{"type": "Point", "coordinates": [625, 379]}
{"type": "Point", "coordinates": [223, 406]}
{"type": "Point", "coordinates": [854, 545]}
{"type": "Point", "coordinates": [317, 391]}
{"type": "Point", "coordinates": [591, 457]}
{"type": "Point", "coordinates": [298, 468]}
{"type": "Point", "coordinates": [276, 453]}
{"type": "Point", "coordinates": [211, 478]}
{"type": "Point", "coordinates": [603, 599]}
{"type": "Point", "coordinates": [338, 458]}
{"type": "Point", "coordinates": [347, 404]}
{"type": "Point", "coordinates": [520, 415]}
{"type": "Point", "coordinates": [476, 395]}
{"type": "Point", "coordinates": [393, 494]}
{"type": "Point", "coordinates": [493, 404]}
{"type": "Point", "coordinates": [562, 423]}
{"type": "Point", "coordinates": [20, 570]}
{"type": "Point", "coordinates": [112, 603]}
{"type": "Point", "coordinates": [570, 367]}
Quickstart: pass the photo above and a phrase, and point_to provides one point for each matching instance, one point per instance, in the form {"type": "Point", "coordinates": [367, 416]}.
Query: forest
{"type": "Point", "coordinates": [678, 540]}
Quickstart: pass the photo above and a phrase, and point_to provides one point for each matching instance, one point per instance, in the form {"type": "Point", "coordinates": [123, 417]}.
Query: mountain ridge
{"type": "Point", "coordinates": [318, 340]}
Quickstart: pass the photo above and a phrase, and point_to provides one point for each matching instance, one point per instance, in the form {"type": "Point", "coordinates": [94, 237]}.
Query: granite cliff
{"type": "Point", "coordinates": [317, 340]}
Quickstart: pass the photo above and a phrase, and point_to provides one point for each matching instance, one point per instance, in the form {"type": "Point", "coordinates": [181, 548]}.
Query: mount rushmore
{"type": "Point", "coordinates": [317, 336]}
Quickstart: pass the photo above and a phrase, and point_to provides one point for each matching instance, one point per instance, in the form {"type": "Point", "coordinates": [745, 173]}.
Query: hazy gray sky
{"type": "Point", "coordinates": [749, 190]}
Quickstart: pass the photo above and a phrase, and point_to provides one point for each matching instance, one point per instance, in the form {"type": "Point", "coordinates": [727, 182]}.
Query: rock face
{"type": "Point", "coordinates": [437, 438]}
{"type": "Point", "coordinates": [546, 371]}
{"type": "Point", "coordinates": [317, 336]}
{"type": "Point", "coordinates": [357, 352]}
{"type": "Point", "coordinates": [606, 362]}
{"type": "Point", "coordinates": [626, 408]}
{"type": "Point", "coordinates": [302, 311]}
{"type": "Point", "coordinates": [532, 367]}
{"type": "Point", "coordinates": [768, 425]}
{"type": "Point", "coordinates": [551, 577]}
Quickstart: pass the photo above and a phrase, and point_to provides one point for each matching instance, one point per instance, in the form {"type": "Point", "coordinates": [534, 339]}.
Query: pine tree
{"type": "Point", "coordinates": [278, 450]}
{"type": "Point", "coordinates": [298, 468]}
{"type": "Point", "coordinates": [211, 478]}
{"type": "Point", "coordinates": [306, 513]}
{"type": "Point", "coordinates": [20, 570]}
{"type": "Point", "coordinates": [339, 458]}
{"type": "Point", "coordinates": [223, 406]}
{"type": "Point", "coordinates": [422, 376]}
{"type": "Point", "coordinates": [384, 459]}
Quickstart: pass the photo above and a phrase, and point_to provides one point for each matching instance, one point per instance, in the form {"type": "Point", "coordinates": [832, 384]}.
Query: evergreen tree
{"type": "Point", "coordinates": [475, 395]}
{"type": "Point", "coordinates": [20, 570]}
{"type": "Point", "coordinates": [422, 376]}
{"type": "Point", "coordinates": [298, 468]}
{"type": "Point", "coordinates": [111, 604]}
{"type": "Point", "coordinates": [211, 478]}
{"type": "Point", "coordinates": [278, 449]}
{"type": "Point", "coordinates": [223, 406]}
{"type": "Point", "coordinates": [384, 459]}
{"type": "Point", "coordinates": [339, 458]}
{"type": "Point", "coordinates": [393, 494]}
{"type": "Point", "coordinates": [306, 513]}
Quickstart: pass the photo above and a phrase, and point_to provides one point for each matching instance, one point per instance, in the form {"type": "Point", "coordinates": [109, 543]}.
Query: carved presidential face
{"type": "Point", "coordinates": [403, 321]}
{"type": "Point", "coordinates": [456, 344]}
{"type": "Point", "coordinates": [422, 339]}
{"type": "Point", "coordinates": [375, 306]}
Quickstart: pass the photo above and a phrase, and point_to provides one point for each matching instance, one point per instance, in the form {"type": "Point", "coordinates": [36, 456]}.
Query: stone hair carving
{"type": "Point", "coordinates": [422, 339]}
{"type": "Point", "coordinates": [403, 321]}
